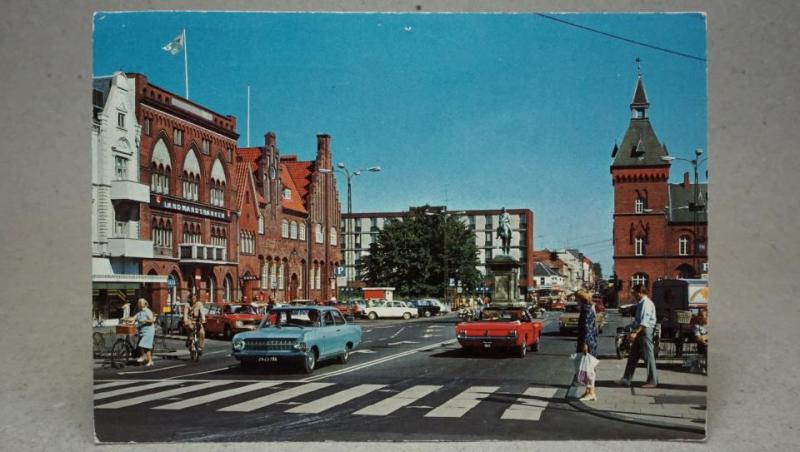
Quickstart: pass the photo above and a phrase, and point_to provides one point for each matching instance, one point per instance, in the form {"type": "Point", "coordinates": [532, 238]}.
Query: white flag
{"type": "Point", "coordinates": [175, 46]}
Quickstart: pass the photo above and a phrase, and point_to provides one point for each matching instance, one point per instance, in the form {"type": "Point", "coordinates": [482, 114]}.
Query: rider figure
{"type": "Point", "coordinates": [504, 231]}
{"type": "Point", "coordinates": [193, 317]}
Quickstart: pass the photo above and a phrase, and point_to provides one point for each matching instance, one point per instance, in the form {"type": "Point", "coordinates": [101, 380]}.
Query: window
{"type": "Point", "coordinates": [159, 178]}
{"type": "Point", "coordinates": [120, 228]}
{"type": "Point", "coordinates": [191, 233]}
{"type": "Point", "coordinates": [121, 120]}
{"type": "Point", "coordinates": [318, 231]}
{"type": "Point", "coordinates": [264, 276]}
{"type": "Point", "coordinates": [639, 278]}
{"type": "Point", "coordinates": [121, 167]}
{"type": "Point", "coordinates": [639, 246]}
{"type": "Point", "coordinates": [488, 220]}
{"type": "Point", "coordinates": [247, 243]}
{"type": "Point", "coordinates": [638, 206]}
{"type": "Point", "coordinates": [471, 222]}
{"type": "Point", "coordinates": [488, 239]}
{"type": "Point", "coordinates": [337, 318]}
{"type": "Point", "coordinates": [280, 275]}
{"type": "Point", "coordinates": [217, 193]}
{"type": "Point", "coordinates": [260, 224]}
{"type": "Point", "coordinates": [229, 154]}
{"type": "Point", "coordinates": [287, 194]}
{"type": "Point", "coordinates": [227, 290]}
{"type": "Point", "coordinates": [206, 146]}
{"type": "Point", "coordinates": [191, 182]}
{"type": "Point", "coordinates": [302, 232]}
{"type": "Point", "coordinates": [358, 225]}
{"type": "Point", "coordinates": [285, 229]}
{"type": "Point", "coordinates": [683, 245]}
{"type": "Point", "coordinates": [333, 236]}
{"type": "Point", "coordinates": [293, 230]}
{"type": "Point", "coordinates": [147, 126]}
{"type": "Point", "coordinates": [704, 267]}
{"type": "Point", "coordinates": [177, 137]}
{"type": "Point", "coordinates": [218, 236]}
{"type": "Point", "coordinates": [273, 274]}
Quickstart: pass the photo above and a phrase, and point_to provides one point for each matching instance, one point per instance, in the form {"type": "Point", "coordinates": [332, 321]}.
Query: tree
{"type": "Point", "coordinates": [598, 270]}
{"type": "Point", "coordinates": [409, 254]}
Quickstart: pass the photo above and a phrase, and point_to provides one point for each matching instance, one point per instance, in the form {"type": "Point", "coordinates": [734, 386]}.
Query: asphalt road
{"type": "Point", "coordinates": [409, 381]}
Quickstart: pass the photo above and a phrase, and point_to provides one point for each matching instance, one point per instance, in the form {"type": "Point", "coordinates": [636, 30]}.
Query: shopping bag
{"type": "Point", "coordinates": [586, 364]}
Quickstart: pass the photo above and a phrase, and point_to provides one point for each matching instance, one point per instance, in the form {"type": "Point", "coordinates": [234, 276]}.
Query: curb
{"type": "Point", "coordinates": [580, 406]}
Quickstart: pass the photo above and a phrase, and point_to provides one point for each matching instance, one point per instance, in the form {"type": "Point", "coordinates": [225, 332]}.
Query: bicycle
{"type": "Point", "coordinates": [124, 349]}
{"type": "Point", "coordinates": [195, 351]}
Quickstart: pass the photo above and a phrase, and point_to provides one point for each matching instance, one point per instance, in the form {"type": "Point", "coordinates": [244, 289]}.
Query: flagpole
{"type": "Point", "coordinates": [248, 115]}
{"type": "Point", "coordinates": [185, 64]}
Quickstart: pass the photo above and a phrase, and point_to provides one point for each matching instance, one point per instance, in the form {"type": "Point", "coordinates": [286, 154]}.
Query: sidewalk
{"type": "Point", "coordinates": [679, 401]}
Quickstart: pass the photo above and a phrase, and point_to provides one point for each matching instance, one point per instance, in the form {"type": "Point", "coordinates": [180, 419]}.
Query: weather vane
{"type": "Point", "coordinates": [639, 66]}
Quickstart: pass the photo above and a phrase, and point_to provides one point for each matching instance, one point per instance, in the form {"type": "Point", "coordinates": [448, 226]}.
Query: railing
{"type": "Point", "coordinates": [202, 252]}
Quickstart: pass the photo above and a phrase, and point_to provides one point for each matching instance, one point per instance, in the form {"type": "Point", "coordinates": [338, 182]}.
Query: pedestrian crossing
{"type": "Point", "coordinates": [445, 401]}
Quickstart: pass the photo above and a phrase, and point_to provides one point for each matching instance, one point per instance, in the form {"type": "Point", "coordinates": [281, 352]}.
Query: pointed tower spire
{"type": "Point", "coordinates": [639, 105]}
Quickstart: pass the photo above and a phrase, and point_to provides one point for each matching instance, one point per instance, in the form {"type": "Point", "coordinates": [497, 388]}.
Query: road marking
{"type": "Point", "coordinates": [160, 395]}
{"type": "Point", "coordinates": [326, 403]}
{"type": "Point", "coordinates": [366, 350]}
{"type": "Point", "coordinates": [383, 338]}
{"type": "Point", "coordinates": [267, 400]}
{"type": "Point", "coordinates": [123, 391]}
{"type": "Point", "coordinates": [460, 404]}
{"type": "Point", "coordinates": [376, 361]}
{"type": "Point", "coordinates": [367, 331]}
{"type": "Point", "coordinates": [113, 384]}
{"type": "Point", "coordinates": [217, 395]}
{"type": "Point", "coordinates": [397, 401]}
{"type": "Point", "coordinates": [398, 332]}
{"type": "Point", "coordinates": [431, 335]}
{"type": "Point", "coordinates": [149, 371]}
{"type": "Point", "coordinates": [402, 342]}
{"type": "Point", "coordinates": [199, 373]}
{"type": "Point", "coordinates": [529, 407]}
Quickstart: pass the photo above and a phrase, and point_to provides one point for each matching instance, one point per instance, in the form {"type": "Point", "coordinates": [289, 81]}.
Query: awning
{"type": "Point", "coordinates": [129, 278]}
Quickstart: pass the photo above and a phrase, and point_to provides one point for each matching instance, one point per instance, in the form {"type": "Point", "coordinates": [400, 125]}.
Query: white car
{"type": "Point", "coordinates": [389, 309]}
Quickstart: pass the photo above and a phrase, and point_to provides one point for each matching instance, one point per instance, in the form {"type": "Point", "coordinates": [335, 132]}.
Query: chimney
{"type": "Point", "coordinates": [324, 150]}
{"type": "Point", "coordinates": [686, 180]}
{"type": "Point", "coordinates": [269, 139]}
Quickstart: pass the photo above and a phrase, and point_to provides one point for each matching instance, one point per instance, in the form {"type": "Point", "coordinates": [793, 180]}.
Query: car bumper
{"type": "Point", "coordinates": [269, 356]}
{"type": "Point", "coordinates": [488, 342]}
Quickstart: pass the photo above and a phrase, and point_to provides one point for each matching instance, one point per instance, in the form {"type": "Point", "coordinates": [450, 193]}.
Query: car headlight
{"type": "Point", "coordinates": [239, 324]}
{"type": "Point", "coordinates": [300, 346]}
{"type": "Point", "coordinates": [238, 344]}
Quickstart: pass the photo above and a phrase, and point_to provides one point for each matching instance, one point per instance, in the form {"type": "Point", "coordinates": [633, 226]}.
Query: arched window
{"type": "Point", "coordinates": [285, 229]}
{"type": "Point", "coordinates": [333, 236]}
{"type": "Point", "coordinates": [160, 168]}
{"type": "Point", "coordinates": [640, 278]}
{"type": "Point", "coordinates": [318, 232]}
{"type": "Point", "coordinates": [280, 275]}
{"type": "Point", "coordinates": [217, 195]}
{"type": "Point", "coordinates": [638, 205]}
{"type": "Point", "coordinates": [293, 230]}
{"type": "Point", "coordinates": [264, 275]}
{"type": "Point", "coordinates": [683, 245]}
{"type": "Point", "coordinates": [227, 289]}
{"type": "Point", "coordinates": [191, 176]}
{"type": "Point", "coordinates": [273, 274]}
{"type": "Point", "coordinates": [211, 289]}
{"type": "Point", "coordinates": [302, 232]}
{"type": "Point", "coordinates": [638, 246]}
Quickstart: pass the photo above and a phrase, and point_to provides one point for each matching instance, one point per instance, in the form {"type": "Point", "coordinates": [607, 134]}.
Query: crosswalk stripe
{"type": "Point", "coordinates": [160, 395]}
{"type": "Point", "coordinates": [333, 400]}
{"type": "Point", "coordinates": [270, 399]}
{"type": "Point", "coordinates": [527, 409]}
{"type": "Point", "coordinates": [460, 404]}
{"type": "Point", "coordinates": [113, 384]}
{"type": "Point", "coordinates": [123, 391]}
{"type": "Point", "coordinates": [397, 401]}
{"type": "Point", "coordinates": [194, 401]}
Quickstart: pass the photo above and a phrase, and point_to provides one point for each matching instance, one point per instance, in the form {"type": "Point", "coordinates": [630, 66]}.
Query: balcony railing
{"type": "Point", "coordinates": [126, 190]}
{"type": "Point", "coordinates": [199, 252]}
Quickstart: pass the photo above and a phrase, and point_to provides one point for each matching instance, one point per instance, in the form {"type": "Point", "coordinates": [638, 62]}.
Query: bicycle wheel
{"type": "Point", "coordinates": [98, 344]}
{"type": "Point", "coordinates": [121, 353]}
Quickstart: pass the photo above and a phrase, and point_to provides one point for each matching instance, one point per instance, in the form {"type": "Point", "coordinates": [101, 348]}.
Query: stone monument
{"type": "Point", "coordinates": [503, 268]}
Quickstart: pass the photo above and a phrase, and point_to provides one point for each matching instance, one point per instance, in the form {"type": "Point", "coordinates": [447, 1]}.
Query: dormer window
{"type": "Point", "coordinates": [287, 194]}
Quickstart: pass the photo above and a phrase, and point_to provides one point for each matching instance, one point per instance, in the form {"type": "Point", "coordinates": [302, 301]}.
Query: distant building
{"type": "Point", "coordinates": [361, 229]}
{"type": "Point", "coordinates": [547, 278]}
{"type": "Point", "coordinates": [660, 229]}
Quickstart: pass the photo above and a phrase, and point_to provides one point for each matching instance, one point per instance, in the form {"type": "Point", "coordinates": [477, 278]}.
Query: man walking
{"type": "Point", "coordinates": [641, 338]}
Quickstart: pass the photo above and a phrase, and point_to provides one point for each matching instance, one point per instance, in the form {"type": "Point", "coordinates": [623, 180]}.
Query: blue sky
{"type": "Point", "coordinates": [494, 110]}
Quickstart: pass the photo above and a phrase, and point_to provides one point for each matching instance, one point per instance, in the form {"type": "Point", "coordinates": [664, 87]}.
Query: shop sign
{"type": "Point", "coordinates": [176, 205]}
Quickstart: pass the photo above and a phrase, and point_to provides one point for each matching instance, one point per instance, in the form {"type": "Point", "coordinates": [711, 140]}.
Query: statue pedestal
{"type": "Point", "coordinates": [504, 270]}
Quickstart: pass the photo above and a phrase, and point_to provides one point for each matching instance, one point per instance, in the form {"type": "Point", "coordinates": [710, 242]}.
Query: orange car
{"type": "Point", "coordinates": [229, 319]}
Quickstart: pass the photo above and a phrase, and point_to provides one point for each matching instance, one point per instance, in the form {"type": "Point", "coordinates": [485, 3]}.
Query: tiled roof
{"type": "Point", "coordinates": [679, 198]}
{"type": "Point", "coordinates": [295, 202]}
{"type": "Point", "coordinates": [300, 173]}
{"type": "Point", "coordinates": [640, 146]}
{"type": "Point", "coordinates": [241, 172]}
{"type": "Point", "coordinates": [250, 155]}
{"type": "Point", "coordinates": [543, 270]}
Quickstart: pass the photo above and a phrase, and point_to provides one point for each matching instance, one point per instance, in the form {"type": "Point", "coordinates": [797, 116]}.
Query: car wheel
{"type": "Point", "coordinates": [345, 356]}
{"type": "Point", "coordinates": [535, 346]}
{"type": "Point", "coordinates": [226, 332]}
{"type": "Point", "coordinates": [522, 350]}
{"type": "Point", "coordinates": [310, 361]}
{"type": "Point", "coordinates": [372, 316]}
{"type": "Point", "coordinates": [427, 313]}
{"type": "Point", "coordinates": [406, 316]}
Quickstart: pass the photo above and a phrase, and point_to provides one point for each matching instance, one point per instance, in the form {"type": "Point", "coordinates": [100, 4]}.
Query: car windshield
{"type": "Point", "coordinates": [571, 308]}
{"type": "Point", "coordinates": [241, 309]}
{"type": "Point", "coordinates": [502, 315]}
{"type": "Point", "coordinates": [291, 317]}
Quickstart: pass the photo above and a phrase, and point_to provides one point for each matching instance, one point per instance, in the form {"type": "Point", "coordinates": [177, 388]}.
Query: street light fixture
{"type": "Point", "coordinates": [694, 205]}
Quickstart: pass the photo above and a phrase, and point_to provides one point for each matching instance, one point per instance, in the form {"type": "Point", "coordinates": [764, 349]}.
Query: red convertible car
{"type": "Point", "coordinates": [501, 328]}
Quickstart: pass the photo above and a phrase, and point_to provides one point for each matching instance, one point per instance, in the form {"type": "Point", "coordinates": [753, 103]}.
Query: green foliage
{"type": "Point", "coordinates": [409, 255]}
{"type": "Point", "coordinates": [598, 270]}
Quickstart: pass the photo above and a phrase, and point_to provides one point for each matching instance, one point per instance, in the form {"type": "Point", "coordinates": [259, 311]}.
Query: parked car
{"type": "Point", "coordinates": [443, 307]}
{"type": "Point", "coordinates": [305, 334]}
{"type": "Point", "coordinates": [349, 309]}
{"type": "Point", "coordinates": [229, 319]}
{"type": "Point", "coordinates": [568, 321]}
{"type": "Point", "coordinates": [425, 308]}
{"type": "Point", "coordinates": [302, 302]}
{"type": "Point", "coordinates": [501, 328]}
{"type": "Point", "coordinates": [389, 309]}
{"type": "Point", "coordinates": [557, 305]}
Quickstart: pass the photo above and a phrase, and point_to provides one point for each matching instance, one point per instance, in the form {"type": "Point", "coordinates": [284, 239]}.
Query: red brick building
{"type": "Point", "coordinates": [186, 159]}
{"type": "Point", "coordinates": [251, 230]}
{"type": "Point", "coordinates": [302, 214]}
{"type": "Point", "coordinates": [659, 228]}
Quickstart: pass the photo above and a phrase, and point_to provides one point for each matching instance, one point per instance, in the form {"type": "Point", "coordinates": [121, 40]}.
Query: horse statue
{"type": "Point", "coordinates": [504, 232]}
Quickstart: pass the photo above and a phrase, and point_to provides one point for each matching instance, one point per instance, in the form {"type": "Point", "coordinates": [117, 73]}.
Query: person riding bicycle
{"type": "Point", "coordinates": [194, 318]}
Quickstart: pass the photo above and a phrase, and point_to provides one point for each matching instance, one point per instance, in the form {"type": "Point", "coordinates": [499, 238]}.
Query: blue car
{"type": "Point", "coordinates": [306, 334]}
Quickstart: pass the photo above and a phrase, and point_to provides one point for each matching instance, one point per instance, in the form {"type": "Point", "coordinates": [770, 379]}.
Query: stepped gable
{"type": "Point", "coordinates": [295, 201]}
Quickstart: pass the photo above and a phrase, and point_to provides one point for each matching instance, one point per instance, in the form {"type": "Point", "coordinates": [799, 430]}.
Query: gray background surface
{"type": "Point", "coordinates": [45, 376]}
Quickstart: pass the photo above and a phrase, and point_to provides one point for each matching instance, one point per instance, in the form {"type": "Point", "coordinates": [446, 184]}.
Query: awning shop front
{"type": "Point", "coordinates": [125, 281]}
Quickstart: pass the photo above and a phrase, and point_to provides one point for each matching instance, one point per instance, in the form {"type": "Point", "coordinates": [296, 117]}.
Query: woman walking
{"type": "Point", "coordinates": [144, 321]}
{"type": "Point", "coordinates": [587, 334]}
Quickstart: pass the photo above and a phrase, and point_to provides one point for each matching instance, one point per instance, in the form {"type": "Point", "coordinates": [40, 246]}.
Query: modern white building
{"type": "Point", "coordinates": [117, 194]}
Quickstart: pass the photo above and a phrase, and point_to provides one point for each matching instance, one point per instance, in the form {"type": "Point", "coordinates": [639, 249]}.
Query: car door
{"type": "Point", "coordinates": [328, 334]}
{"type": "Point", "coordinates": [394, 309]}
{"type": "Point", "coordinates": [212, 320]}
{"type": "Point", "coordinates": [341, 333]}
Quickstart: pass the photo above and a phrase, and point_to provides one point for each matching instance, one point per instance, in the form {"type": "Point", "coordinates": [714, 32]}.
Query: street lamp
{"type": "Point", "coordinates": [694, 205]}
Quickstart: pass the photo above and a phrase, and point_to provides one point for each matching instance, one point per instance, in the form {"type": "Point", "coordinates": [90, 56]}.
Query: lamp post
{"type": "Point", "coordinates": [693, 206]}
{"type": "Point", "coordinates": [349, 175]}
